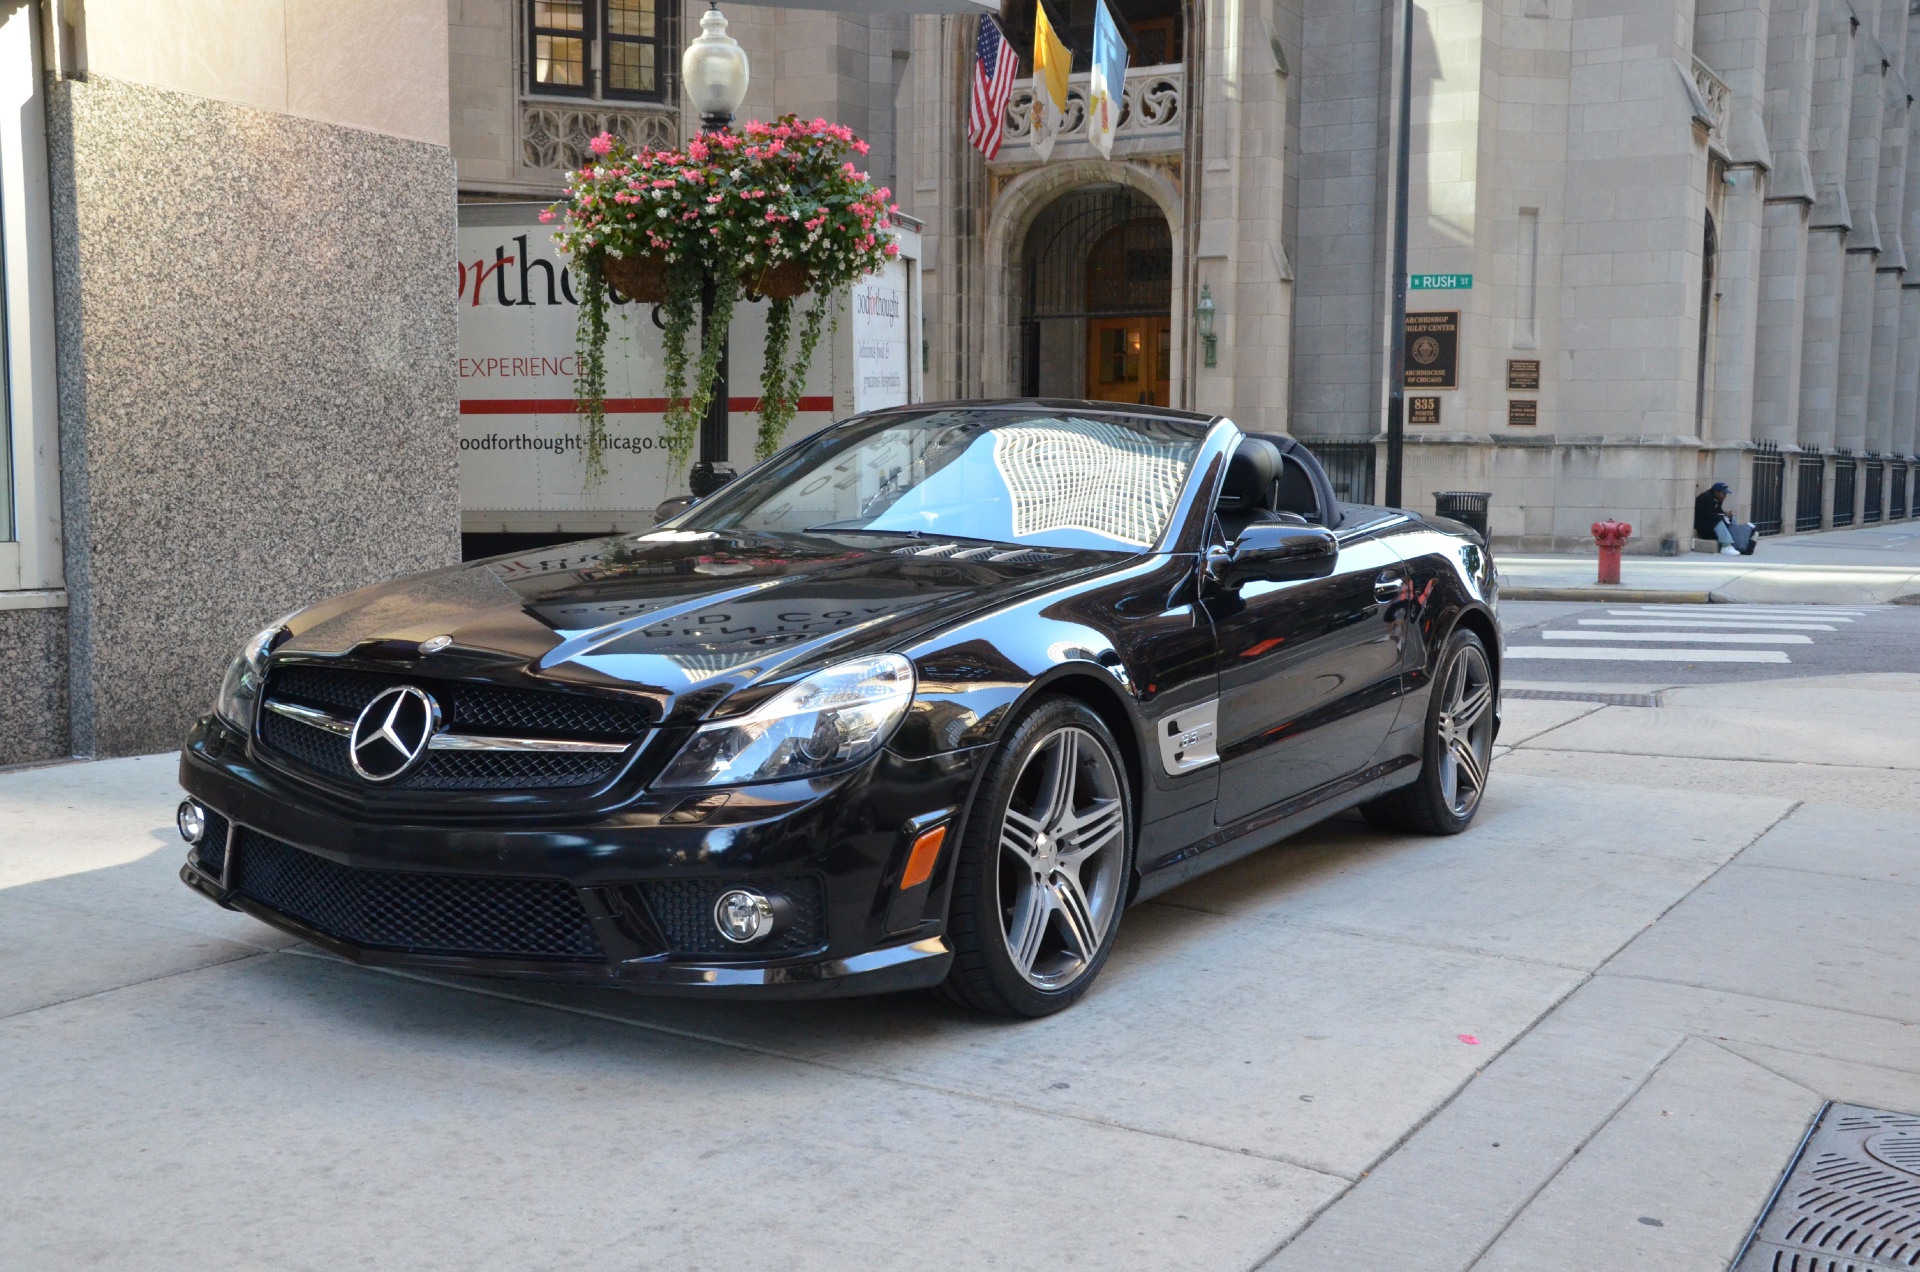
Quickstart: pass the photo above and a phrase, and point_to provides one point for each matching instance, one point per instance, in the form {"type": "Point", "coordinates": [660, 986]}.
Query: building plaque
{"type": "Point", "coordinates": [1523, 412]}
{"type": "Point", "coordinates": [1433, 350]}
{"type": "Point", "coordinates": [1523, 374]}
{"type": "Point", "coordinates": [1423, 410]}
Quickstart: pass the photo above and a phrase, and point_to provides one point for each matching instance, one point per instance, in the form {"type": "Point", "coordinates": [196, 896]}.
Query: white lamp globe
{"type": "Point", "coordinates": [714, 70]}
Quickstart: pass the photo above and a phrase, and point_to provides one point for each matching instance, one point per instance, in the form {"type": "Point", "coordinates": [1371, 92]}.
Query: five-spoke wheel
{"type": "Point", "coordinates": [1062, 841]}
{"type": "Point", "coordinates": [1457, 747]}
{"type": "Point", "coordinates": [1044, 865]}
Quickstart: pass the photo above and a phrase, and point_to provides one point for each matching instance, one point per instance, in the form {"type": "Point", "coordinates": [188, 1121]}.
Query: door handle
{"type": "Point", "coordinates": [1389, 587]}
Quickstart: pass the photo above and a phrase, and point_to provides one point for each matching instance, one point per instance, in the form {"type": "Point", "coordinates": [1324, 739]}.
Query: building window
{"type": "Point", "coordinates": [29, 421]}
{"type": "Point", "coordinates": [559, 33]}
{"type": "Point", "coordinates": [1151, 29]}
{"type": "Point", "coordinates": [600, 48]}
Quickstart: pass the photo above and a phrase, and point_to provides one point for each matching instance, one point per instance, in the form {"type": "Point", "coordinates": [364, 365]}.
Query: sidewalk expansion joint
{"type": "Point", "coordinates": [848, 1070]}
{"type": "Point", "coordinates": [1545, 1014]}
{"type": "Point", "coordinates": [1706, 988]}
{"type": "Point", "coordinates": [146, 980]}
{"type": "Point", "coordinates": [1719, 759]}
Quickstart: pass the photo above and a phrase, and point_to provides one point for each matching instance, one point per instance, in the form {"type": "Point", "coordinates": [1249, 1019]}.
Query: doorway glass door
{"type": "Point", "coordinates": [1130, 360]}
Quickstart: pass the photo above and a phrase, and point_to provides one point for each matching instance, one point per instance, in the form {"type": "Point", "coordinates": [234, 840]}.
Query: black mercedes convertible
{"type": "Point", "coordinates": [927, 699]}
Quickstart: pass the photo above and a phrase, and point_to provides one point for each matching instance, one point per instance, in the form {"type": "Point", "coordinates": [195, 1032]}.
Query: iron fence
{"type": "Point", "coordinates": [1811, 478]}
{"type": "Point", "coordinates": [1349, 467]}
{"type": "Point", "coordinates": [1769, 487]}
{"type": "Point", "coordinates": [1845, 471]}
{"type": "Point", "coordinates": [1870, 508]}
{"type": "Point", "coordinates": [1897, 506]}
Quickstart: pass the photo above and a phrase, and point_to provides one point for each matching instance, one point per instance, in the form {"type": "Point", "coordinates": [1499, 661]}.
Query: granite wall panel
{"type": "Point", "coordinates": [33, 685]}
{"type": "Point", "coordinates": [257, 392]}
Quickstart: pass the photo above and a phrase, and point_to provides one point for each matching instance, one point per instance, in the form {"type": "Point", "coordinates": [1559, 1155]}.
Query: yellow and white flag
{"type": "Point", "coordinates": [1051, 65]}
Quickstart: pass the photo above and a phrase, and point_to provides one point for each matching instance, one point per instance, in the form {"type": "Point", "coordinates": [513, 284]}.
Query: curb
{"type": "Point", "coordinates": [1609, 592]}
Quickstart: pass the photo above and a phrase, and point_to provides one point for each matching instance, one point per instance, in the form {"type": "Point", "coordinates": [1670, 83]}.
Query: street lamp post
{"type": "Point", "coordinates": [714, 71]}
{"type": "Point", "coordinates": [1397, 336]}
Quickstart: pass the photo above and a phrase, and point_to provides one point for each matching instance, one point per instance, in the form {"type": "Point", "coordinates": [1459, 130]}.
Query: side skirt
{"type": "Point", "coordinates": [1272, 824]}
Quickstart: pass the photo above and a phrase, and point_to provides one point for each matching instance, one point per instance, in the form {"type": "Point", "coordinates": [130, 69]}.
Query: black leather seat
{"type": "Point", "coordinates": [1294, 492]}
{"type": "Point", "coordinates": [1247, 492]}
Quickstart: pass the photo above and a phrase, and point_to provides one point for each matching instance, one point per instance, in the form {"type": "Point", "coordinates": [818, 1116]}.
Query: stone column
{"type": "Point", "coordinates": [1906, 399]}
{"type": "Point", "coordinates": [1890, 201]}
{"type": "Point", "coordinates": [1791, 31]}
{"type": "Point", "coordinates": [1863, 240]}
{"type": "Point", "coordinates": [1827, 223]}
{"type": "Point", "coordinates": [1731, 37]}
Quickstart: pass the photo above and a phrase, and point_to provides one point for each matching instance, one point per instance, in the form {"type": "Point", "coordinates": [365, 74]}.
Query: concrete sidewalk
{"type": "Point", "coordinates": [1870, 566]}
{"type": "Point", "coordinates": [1618, 998]}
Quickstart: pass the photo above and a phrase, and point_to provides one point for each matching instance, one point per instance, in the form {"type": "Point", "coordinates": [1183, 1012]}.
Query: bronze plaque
{"type": "Point", "coordinates": [1523, 412]}
{"type": "Point", "coordinates": [1423, 410]}
{"type": "Point", "coordinates": [1433, 350]}
{"type": "Point", "coordinates": [1523, 373]}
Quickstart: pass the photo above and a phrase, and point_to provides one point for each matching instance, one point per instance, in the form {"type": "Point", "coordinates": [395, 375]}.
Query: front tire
{"type": "Point", "coordinates": [1044, 866]}
{"type": "Point", "coordinates": [1456, 752]}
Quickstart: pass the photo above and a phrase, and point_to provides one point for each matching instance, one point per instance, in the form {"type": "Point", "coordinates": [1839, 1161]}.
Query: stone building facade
{"type": "Point", "coordinates": [1682, 227]}
{"type": "Point", "coordinates": [229, 341]}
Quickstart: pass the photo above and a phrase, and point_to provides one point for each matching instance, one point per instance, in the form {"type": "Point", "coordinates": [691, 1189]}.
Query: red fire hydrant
{"type": "Point", "coordinates": [1608, 536]}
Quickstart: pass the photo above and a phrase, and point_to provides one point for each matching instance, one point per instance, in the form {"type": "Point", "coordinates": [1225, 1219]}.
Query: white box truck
{"type": "Point", "coordinates": [522, 469]}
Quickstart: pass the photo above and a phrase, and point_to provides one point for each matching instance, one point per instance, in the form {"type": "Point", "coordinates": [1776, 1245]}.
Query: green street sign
{"type": "Point", "coordinates": [1440, 282]}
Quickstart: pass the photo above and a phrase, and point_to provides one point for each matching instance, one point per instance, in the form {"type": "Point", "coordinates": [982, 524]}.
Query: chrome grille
{"type": "Point", "coordinates": [466, 708]}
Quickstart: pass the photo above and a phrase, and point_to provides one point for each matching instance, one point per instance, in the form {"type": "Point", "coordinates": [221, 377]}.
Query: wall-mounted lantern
{"type": "Point", "coordinates": [1203, 315]}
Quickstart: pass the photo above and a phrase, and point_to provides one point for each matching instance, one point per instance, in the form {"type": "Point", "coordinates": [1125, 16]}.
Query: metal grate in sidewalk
{"type": "Point", "coordinates": [1850, 1201]}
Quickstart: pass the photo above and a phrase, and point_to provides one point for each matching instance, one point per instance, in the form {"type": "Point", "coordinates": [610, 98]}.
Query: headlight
{"type": "Point", "coordinates": [831, 719]}
{"type": "Point", "coordinates": [239, 698]}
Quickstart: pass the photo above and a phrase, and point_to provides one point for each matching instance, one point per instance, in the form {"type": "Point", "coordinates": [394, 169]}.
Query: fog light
{"type": "Point", "coordinates": [192, 821]}
{"type": "Point", "coordinates": [743, 915]}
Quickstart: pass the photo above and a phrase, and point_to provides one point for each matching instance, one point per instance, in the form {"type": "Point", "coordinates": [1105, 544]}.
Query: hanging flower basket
{"type": "Point", "coordinates": [641, 277]}
{"type": "Point", "coordinates": [775, 210]}
{"type": "Point", "coordinates": [786, 281]}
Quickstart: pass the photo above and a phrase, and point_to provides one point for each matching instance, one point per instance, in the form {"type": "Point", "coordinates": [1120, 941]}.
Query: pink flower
{"type": "Point", "coordinates": [546, 216]}
{"type": "Point", "coordinates": [602, 144]}
{"type": "Point", "coordinates": [861, 147]}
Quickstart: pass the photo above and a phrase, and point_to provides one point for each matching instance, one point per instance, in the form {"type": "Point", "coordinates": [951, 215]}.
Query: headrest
{"type": "Point", "coordinates": [1250, 474]}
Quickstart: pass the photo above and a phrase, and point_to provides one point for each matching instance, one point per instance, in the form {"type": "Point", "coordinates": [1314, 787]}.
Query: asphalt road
{"type": "Point", "coordinates": [1645, 647]}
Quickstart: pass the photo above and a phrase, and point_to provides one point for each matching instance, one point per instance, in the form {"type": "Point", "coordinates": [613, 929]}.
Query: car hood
{"type": "Point", "coordinates": [683, 618]}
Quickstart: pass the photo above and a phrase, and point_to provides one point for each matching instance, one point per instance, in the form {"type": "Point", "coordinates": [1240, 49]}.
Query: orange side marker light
{"type": "Point", "coordinates": [926, 851]}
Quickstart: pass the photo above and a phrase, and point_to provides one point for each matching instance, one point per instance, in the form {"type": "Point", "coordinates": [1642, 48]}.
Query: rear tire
{"type": "Point", "coordinates": [1044, 866]}
{"type": "Point", "coordinates": [1456, 750]}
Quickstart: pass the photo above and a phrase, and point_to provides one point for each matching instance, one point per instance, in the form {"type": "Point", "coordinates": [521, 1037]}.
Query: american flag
{"type": "Point", "coordinates": [994, 66]}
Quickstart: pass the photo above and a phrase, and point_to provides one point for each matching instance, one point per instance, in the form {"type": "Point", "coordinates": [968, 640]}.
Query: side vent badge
{"type": "Point", "coordinates": [1187, 738]}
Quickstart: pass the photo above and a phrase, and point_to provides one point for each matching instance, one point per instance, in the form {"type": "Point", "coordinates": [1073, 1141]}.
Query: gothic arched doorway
{"type": "Point", "coordinates": [1096, 314]}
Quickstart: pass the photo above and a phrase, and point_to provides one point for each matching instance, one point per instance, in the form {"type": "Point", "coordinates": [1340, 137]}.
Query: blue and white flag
{"type": "Point", "coordinates": [1108, 83]}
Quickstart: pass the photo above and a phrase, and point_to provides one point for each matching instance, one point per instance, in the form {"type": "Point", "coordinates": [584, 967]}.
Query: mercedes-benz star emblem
{"type": "Point", "coordinates": [392, 733]}
{"type": "Point", "coordinates": [435, 644]}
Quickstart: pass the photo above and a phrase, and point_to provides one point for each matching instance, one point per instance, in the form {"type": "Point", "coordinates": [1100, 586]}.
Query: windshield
{"type": "Point", "coordinates": [1050, 480]}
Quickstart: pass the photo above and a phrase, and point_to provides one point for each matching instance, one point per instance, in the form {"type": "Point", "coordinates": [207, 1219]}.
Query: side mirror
{"type": "Point", "coordinates": [1273, 553]}
{"type": "Point", "coordinates": [673, 507]}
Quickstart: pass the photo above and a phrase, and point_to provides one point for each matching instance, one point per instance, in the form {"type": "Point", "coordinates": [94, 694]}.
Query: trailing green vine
{"type": "Point", "coordinates": [782, 382]}
{"type": "Point", "coordinates": [590, 382]}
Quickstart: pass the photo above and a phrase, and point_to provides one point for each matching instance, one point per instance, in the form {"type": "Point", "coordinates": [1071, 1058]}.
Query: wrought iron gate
{"type": "Point", "coordinates": [1769, 487]}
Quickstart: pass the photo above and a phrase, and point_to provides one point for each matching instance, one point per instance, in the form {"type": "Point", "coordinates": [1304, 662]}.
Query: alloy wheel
{"type": "Point", "coordinates": [1466, 731]}
{"type": "Point", "coordinates": [1062, 854]}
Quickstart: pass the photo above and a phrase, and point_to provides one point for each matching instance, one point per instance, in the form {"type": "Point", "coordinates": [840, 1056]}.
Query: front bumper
{"type": "Point", "coordinates": [851, 833]}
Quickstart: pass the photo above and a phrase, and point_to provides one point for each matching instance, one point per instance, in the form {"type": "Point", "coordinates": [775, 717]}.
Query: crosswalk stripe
{"type": "Point", "coordinates": [1711, 638]}
{"type": "Point", "coordinates": [1649, 611]}
{"type": "Point", "coordinates": [1603, 654]}
{"type": "Point", "coordinates": [1772, 625]}
{"type": "Point", "coordinates": [1740, 611]}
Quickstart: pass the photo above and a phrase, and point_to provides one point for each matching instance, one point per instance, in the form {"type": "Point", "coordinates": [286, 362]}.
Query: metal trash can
{"type": "Point", "coordinates": [1469, 506]}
